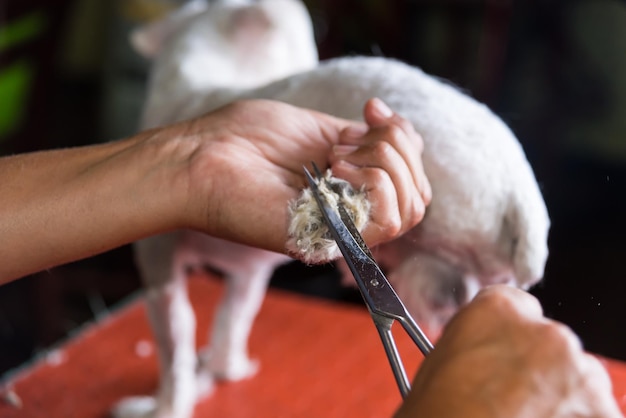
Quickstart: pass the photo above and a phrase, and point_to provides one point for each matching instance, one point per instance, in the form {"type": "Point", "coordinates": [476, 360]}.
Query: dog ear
{"type": "Point", "coordinates": [148, 40]}
{"type": "Point", "coordinates": [528, 223]}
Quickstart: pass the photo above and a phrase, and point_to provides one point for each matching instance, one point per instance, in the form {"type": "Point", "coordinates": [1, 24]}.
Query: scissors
{"type": "Point", "coordinates": [383, 303]}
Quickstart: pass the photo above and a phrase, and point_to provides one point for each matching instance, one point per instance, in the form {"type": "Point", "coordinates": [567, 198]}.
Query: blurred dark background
{"type": "Point", "coordinates": [555, 71]}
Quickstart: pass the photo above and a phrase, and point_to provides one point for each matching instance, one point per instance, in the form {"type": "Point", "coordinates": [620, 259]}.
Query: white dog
{"type": "Point", "coordinates": [487, 222]}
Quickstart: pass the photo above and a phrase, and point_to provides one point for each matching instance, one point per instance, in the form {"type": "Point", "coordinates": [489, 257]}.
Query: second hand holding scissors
{"type": "Point", "coordinates": [382, 301]}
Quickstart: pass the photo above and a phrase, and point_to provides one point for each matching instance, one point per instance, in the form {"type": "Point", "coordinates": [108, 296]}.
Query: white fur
{"type": "Point", "coordinates": [310, 239]}
{"type": "Point", "coordinates": [487, 222]}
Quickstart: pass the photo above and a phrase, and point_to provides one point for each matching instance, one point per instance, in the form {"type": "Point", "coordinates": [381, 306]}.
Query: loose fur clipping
{"type": "Point", "coordinates": [309, 238]}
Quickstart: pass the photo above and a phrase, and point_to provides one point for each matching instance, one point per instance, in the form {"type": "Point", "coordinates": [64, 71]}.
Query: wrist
{"type": "Point", "coordinates": [166, 157]}
{"type": "Point", "coordinates": [98, 198]}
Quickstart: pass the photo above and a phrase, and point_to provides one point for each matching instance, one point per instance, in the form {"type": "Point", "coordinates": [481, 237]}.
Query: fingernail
{"type": "Point", "coordinates": [381, 108]}
{"type": "Point", "coordinates": [341, 150]}
{"type": "Point", "coordinates": [355, 131]}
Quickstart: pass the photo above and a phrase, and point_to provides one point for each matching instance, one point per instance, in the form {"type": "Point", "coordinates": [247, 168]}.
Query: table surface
{"type": "Point", "coordinates": [318, 359]}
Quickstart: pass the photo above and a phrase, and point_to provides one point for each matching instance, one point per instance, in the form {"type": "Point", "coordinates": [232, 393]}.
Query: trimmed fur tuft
{"type": "Point", "coordinates": [309, 237]}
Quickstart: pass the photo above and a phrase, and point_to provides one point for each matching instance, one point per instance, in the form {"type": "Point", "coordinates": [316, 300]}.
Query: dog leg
{"type": "Point", "coordinates": [227, 356]}
{"type": "Point", "coordinates": [173, 323]}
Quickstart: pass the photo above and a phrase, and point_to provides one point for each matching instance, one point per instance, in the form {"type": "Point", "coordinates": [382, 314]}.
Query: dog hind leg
{"type": "Point", "coordinates": [227, 356]}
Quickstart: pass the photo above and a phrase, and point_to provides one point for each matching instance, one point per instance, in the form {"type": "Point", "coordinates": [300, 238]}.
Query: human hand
{"type": "Point", "coordinates": [499, 357]}
{"type": "Point", "coordinates": [249, 159]}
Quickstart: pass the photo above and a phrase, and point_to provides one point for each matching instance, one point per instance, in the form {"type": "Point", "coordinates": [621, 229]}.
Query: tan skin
{"type": "Point", "coordinates": [500, 357]}
{"type": "Point", "coordinates": [230, 174]}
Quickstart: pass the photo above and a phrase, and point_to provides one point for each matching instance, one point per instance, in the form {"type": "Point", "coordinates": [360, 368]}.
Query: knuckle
{"type": "Point", "coordinates": [427, 197]}
{"type": "Point", "coordinates": [418, 141]}
{"type": "Point", "coordinates": [497, 299]}
{"type": "Point", "coordinates": [388, 226]}
{"type": "Point", "coordinates": [393, 227]}
{"type": "Point", "coordinates": [407, 131]}
{"type": "Point", "coordinates": [596, 370]}
{"type": "Point", "coordinates": [377, 177]}
{"type": "Point", "coordinates": [394, 132]}
{"type": "Point", "coordinates": [418, 211]}
{"type": "Point", "coordinates": [557, 334]}
{"type": "Point", "coordinates": [382, 150]}
{"type": "Point", "coordinates": [558, 341]}
{"type": "Point", "coordinates": [491, 296]}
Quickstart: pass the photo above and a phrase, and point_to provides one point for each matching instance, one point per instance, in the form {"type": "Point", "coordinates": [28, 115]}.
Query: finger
{"type": "Point", "coordinates": [501, 306]}
{"type": "Point", "coordinates": [386, 221]}
{"type": "Point", "coordinates": [382, 155]}
{"type": "Point", "coordinates": [595, 370]}
{"type": "Point", "coordinates": [502, 298]}
{"type": "Point", "coordinates": [597, 384]}
{"type": "Point", "coordinates": [411, 201]}
{"type": "Point", "coordinates": [332, 128]}
{"type": "Point", "coordinates": [383, 147]}
{"type": "Point", "coordinates": [397, 131]}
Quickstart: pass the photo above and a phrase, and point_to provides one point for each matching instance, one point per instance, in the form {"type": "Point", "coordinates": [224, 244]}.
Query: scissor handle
{"type": "Point", "coordinates": [383, 325]}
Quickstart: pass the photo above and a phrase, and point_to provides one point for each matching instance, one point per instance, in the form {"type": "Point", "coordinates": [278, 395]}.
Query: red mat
{"type": "Point", "coordinates": [318, 359]}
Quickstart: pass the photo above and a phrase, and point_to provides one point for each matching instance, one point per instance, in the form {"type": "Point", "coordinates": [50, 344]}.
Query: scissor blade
{"type": "Point", "coordinates": [345, 240]}
{"type": "Point", "coordinates": [380, 297]}
{"type": "Point", "coordinates": [346, 218]}
{"type": "Point", "coordinates": [378, 294]}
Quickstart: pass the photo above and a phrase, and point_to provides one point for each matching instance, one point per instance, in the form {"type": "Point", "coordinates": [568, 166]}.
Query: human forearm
{"type": "Point", "coordinates": [62, 205]}
{"type": "Point", "coordinates": [230, 173]}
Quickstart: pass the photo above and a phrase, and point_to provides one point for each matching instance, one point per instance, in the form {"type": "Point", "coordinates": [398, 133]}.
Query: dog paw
{"type": "Point", "coordinates": [135, 407]}
{"type": "Point", "coordinates": [310, 239]}
{"type": "Point", "coordinates": [231, 368]}
{"type": "Point", "coordinates": [205, 382]}
{"type": "Point", "coordinates": [148, 407]}
{"type": "Point", "coordinates": [237, 370]}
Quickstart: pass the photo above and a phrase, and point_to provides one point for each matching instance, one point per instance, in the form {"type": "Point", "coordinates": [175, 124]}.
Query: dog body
{"type": "Point", "coordinates": [487, 222]}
